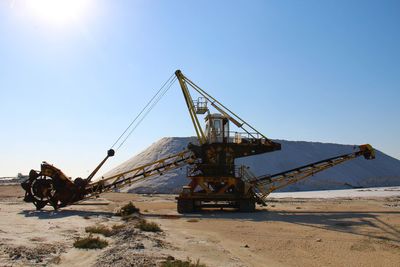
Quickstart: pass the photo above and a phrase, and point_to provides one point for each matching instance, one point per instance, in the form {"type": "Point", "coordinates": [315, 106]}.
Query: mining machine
{"type": "Point", "coordinates": [214, 179]}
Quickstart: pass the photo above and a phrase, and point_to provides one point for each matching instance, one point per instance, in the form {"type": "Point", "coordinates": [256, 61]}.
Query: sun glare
{"type": "Point", "coordinates": [58, 12]}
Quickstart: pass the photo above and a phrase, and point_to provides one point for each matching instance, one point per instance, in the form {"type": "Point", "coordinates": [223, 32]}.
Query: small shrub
{"type": "Point", "coordinates": [104, 230]}
{"type": "Point", "coordinates": [193, 220]}
{"type": "Point", "coordinates": [90, 242]}
{"type": "Point", "coordinates": [117, 227]}
{"type": "Point", "coordinates": [179, 263]}
{"type": "Point", "coordinates": [100, 229]}
{"type": "Point", "coordinates": [148, 226]}
{"type": "Point", "coordinates": [127, 210]}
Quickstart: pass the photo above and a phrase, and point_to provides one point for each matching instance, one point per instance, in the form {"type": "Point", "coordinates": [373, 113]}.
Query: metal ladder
{"type": "Point", "coordinates": [257, 189]}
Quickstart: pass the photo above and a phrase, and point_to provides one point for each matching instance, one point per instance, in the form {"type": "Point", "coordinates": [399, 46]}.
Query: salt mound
{"type": "Point", "coordinates": [383, 171]}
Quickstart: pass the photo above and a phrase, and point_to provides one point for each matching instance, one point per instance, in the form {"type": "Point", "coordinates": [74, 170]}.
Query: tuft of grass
{"type": "Point", "coordinates": [104, 230]}
{"type": "Point", "coordinates": [193, 220]}
{"type": "Point", "coordinates": [99, 229]}
{"type": "Point", "coordinates": [179, 263]}
{"type": "Point", "coordinates": [90, 242]}
{"type": "Point", "coordinates": [117, 227]}
{"type": "Point", "coordinates": [127, 211]}
{"type": "Point", "coordinates": [148, 226]}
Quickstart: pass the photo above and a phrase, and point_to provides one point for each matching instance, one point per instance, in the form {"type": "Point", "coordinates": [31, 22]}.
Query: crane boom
{"type": "Point", "coordinates": [229, 114]}
{"type": "Point", "coordinates": [191, 107]}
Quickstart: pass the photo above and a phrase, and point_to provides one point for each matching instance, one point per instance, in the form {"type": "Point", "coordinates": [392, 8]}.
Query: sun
{"type": "Point", "coordinates": [58, 12]}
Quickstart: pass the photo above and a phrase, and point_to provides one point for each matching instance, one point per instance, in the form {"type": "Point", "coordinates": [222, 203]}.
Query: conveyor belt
{"type": "Point", "coordinates": [138, 174]}
{"type": "Point", "coordinates": [265, 184]}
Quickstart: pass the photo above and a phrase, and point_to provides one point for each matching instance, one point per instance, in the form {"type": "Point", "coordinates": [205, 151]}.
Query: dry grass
{"type": "Point", "coordinates": [117, 227]}
{"type": "Point", "coordinates": [127, 210]}
{"type": "Point", "coordinates": [99, 229]}
{"type": "Point", "coordinates": [90, 242]}
{"type": "Point", "coordinates": [148, 226]}
{"type": "Point", "coordinates": [104, 230]}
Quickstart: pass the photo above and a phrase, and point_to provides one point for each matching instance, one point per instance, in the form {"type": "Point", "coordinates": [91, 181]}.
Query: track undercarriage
{"type": "Point", "coordinates": [213, 192]}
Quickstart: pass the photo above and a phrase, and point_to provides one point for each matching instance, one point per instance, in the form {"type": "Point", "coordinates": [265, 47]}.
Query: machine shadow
{"type": "Point", "coordinates": [362, 223]}
{"type": "Point", "coordinates": [58, 214]}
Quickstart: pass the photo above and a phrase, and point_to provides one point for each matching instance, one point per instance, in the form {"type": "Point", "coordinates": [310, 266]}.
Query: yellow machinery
{"type": "Point", "coordinates": [215, 180]}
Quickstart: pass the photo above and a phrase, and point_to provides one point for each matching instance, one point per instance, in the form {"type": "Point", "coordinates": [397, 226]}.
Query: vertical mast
{"type": "Point", "coordinates": [191, 108]}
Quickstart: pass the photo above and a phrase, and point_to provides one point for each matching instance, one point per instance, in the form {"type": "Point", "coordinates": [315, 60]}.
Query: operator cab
{"type": "Point", "coordinates": [217, 128]}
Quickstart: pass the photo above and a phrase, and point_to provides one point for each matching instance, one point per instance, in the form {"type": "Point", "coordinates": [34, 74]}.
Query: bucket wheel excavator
{"type": "Point", "coordinates": [214, 179]}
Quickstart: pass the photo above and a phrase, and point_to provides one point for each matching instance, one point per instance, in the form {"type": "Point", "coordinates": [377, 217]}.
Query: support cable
{"type": "Point", "coordinates": [146, 110]}
{"type": "Point", "coordinates": [151, 102]}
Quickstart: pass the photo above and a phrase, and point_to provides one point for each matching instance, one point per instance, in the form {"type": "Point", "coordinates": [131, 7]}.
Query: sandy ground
{"type": "Point", "coordinates": [289, 232]}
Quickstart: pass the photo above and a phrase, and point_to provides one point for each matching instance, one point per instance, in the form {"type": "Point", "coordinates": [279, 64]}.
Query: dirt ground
{"type": "Point", "coordinates": [289, 232]}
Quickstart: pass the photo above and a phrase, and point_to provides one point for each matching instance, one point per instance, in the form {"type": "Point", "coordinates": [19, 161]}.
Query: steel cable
{"type": "Point", "coordinates": [170, 79]}
{"type": "Point", "coordinates": [152, 103]}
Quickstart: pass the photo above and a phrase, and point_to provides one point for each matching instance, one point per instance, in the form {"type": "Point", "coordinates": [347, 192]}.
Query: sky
{"type": "Point", "coordinates": [73, 74]}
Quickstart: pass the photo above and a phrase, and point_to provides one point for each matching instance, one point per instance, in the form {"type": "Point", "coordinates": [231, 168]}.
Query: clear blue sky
{"type": "Point", "coordinates": [70, 83]}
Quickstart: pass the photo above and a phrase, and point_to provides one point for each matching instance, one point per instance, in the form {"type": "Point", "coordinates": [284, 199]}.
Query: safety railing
{"type": "Point", "coordinates": [248, 138]}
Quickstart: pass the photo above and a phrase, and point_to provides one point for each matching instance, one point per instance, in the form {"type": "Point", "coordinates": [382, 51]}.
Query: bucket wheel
{"type": "Point", "coordinates": [51, 187]}
{"type": "Point", "coordinates": [39, 190]}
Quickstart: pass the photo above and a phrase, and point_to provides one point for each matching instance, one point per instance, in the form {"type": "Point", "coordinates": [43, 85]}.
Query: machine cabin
{"type": "Point", "coordinates": [217, 128]}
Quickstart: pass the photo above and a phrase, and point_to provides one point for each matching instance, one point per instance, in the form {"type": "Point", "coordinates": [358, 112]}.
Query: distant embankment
{"type": "Point", "coordinates": [13, 180]}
